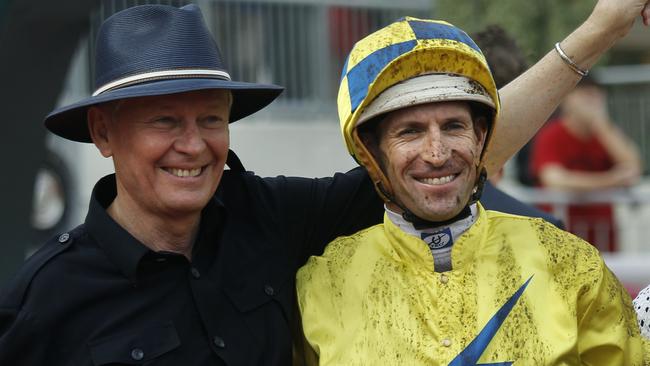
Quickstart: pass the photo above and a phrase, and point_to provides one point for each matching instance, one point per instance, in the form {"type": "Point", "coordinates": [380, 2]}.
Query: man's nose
{"type": "Point", "coordinates": [190, 140]}
{"type": "Point", "coordinates": [435, 151]}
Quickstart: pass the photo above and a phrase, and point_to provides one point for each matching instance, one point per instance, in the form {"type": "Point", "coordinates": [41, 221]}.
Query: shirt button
{"type": "Point", "coordinates": [195, 273]}
{"type": "Point", "coordinates": [218, 341]}
{"type": "Point", "coordinates": [137, 354]}
{"type": "Point", "coordinates": [444, 279]}
{"type": "Point", "coordinates": [446, 342]}
{"type": "Point", "coordinates": [269, 290]}
{"type": "Point", "coordinates": [63, 238]}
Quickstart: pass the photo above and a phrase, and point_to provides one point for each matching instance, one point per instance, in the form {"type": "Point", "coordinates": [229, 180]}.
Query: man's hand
{"type": "Point", "coordinates": [618, 16]}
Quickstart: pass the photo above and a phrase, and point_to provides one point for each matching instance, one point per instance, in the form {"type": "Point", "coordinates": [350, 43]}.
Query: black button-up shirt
{"type": "Point", "coordinates": [97, 296]}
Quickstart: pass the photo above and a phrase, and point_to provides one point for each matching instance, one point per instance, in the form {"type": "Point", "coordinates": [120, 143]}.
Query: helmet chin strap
{"type": "Point", "coordinates": [420, 223]}
{"type": "Point", "coordinates": [480, 184]}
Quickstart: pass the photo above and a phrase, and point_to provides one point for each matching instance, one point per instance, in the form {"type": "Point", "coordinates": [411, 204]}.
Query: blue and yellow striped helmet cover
{"type": "Point", "coordinates": [402, 50]}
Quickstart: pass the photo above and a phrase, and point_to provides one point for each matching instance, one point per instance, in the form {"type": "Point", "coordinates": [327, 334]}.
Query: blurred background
{"type": "Point", "coordinates": [45, 58]}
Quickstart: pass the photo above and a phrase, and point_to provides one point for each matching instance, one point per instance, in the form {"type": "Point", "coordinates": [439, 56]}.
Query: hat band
{"type": "Point", "coordinates": [161, 75]}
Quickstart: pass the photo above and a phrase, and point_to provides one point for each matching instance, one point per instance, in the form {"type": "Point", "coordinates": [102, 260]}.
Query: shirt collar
{"type": "Point", "coordinates": [124, 250]}
{"type": "Point", "coordinates": [413, 249]}
{"type": "Point", "coordinates": [454, 229]}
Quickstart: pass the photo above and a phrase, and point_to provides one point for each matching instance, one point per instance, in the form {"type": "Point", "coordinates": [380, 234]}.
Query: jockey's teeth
{"type": "Point", "coordinates": [437, 181]}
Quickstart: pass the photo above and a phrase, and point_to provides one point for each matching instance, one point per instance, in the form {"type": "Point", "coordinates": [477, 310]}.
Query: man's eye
{"type": "Point", "coordinates": [213, 121]}
{"type": "Point", "coordinates": [454, 125]}
{"type": "Point", "coordinates": [407, 131]}
{"type": "Point", "coordinates": [165, 120]}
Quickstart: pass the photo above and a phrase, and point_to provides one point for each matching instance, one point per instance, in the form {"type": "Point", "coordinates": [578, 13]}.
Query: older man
{"type": "Point", "coordinates": [443, 281]}
{"type": "Point", "coordinates": [180, 262]}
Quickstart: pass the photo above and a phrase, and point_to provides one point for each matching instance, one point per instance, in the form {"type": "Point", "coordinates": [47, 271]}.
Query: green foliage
{"type": "Point", "coordinates": [535, 24]}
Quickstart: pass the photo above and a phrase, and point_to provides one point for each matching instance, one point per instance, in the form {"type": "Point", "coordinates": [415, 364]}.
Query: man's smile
{"type": "Point", "coordinates": [438, 180]}
{"type": "Point", "coordinates": [183, 173]}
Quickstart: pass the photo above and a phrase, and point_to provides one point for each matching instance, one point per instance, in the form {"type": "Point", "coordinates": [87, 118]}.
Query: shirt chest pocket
{"type": "Point", "coordinates": [265, 285]}
{"type": "Point", "coordinates": [264, 297]}
{"type": "Point", "coordinates": [135, 348]}
{"type": "Point", "coordinates": [263, 302]}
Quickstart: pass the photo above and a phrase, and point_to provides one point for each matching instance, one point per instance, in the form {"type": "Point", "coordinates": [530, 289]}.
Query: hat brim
{"type": "Point", "coordinates": [428, 88]}
{"type": "Point", "coordinates": [70, 121]}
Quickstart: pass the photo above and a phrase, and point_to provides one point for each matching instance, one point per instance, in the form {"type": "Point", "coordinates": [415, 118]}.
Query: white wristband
{"type": "Point", "coordinates": [569, 61]}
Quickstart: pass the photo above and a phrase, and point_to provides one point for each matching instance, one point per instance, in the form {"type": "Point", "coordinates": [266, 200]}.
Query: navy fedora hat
{"type": "Point", "coordinates": [156, 50]}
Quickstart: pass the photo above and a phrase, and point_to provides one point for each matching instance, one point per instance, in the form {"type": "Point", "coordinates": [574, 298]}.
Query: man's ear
{"type": "Point", "coordinates": [98, 124]}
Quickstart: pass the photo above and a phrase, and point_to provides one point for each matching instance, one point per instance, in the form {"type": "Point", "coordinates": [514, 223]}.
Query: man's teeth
{"type": "Point", "coordinates": [437, 181]}
{"type": "Point", "coordinates": [185, 172]}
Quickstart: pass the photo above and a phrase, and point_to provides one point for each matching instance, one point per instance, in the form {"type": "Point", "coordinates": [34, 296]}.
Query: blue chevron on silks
{"type": "Point", "coordinates": [471, 354]}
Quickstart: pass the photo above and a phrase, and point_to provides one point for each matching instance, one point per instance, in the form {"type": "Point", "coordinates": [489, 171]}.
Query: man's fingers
{"type": "Point", "coordinates": [645, 13]}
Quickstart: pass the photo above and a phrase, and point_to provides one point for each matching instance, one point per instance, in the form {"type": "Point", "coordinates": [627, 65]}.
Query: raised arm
{"type": "Point", "coordinates": [530, 99]}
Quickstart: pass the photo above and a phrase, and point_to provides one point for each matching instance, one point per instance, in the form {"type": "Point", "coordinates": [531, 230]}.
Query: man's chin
{"type": "Point", "coordinates": [186, 205]}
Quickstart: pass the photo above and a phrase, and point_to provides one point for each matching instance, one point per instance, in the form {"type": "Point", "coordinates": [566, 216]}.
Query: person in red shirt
{"type": "Point", "coordinates": [584, 151]}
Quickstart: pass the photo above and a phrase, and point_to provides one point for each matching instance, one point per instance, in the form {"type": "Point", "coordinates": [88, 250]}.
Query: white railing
{"type": "Point", "coordinates": [560, 200]}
